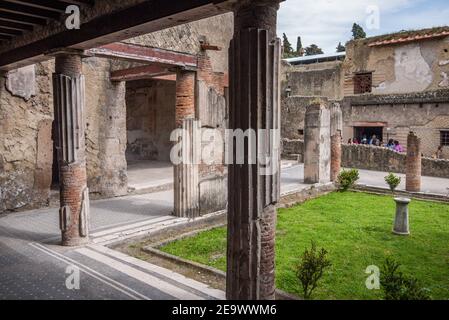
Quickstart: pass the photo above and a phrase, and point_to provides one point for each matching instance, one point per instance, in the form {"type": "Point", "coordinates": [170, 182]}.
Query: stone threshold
{"type": "Point", "coordinates": [145, 229]}
{"type": "Point", "coordinates": [426, 196]}
{"type": "Point", "coordinates": [154, 189]}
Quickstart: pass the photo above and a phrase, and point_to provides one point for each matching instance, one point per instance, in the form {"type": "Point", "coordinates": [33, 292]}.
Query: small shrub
{"type": "Point", "coordinates": [347, 179]}
{"type": "Point", "coordinates": [397, 286]}
{"type": "Point", "coordinates": [311, 268]}
{"type": "Point", "coordinates": [393, 181]}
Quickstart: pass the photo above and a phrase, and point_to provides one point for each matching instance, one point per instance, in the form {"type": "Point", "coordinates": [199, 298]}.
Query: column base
{"type": "Point", "coordinates": [78, 242]}
{"type": "Point", "coordinates": [404, 234]}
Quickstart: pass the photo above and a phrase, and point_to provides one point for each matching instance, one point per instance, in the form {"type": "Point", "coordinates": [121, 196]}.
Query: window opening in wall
{"type": "Point", "coordinates": [363, 83]}
{"type": "Point", "coordinates": [365, 134]}
{"type": "Point", "coordinates": [444, 138]}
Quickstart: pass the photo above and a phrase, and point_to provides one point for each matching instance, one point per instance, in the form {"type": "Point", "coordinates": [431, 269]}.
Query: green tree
{"type": "Point", "coordinates": [299, 48]}
{"type": "Point", "coordinates": [288, 49]}
{"type": "Point", "coordinates": [341, 48]}
{"type": "Point", "coordinates": [313, 49]}
{"type": "Point", "coordinates": [358, 32]}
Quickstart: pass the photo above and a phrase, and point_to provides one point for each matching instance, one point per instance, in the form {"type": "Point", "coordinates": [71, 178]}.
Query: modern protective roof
{"type": "Point", "coordinates": [316, 58]}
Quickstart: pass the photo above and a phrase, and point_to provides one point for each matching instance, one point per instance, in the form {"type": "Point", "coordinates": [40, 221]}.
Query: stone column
{"type": "Point", "coordinates": [336, 136]}
{"type": "Point", "coordinates": [186, 174]}
{"type": "Point", "coordinates": [68, 88]}
{"type": "Point", "coordinates": [401, 222]}
{"type": "Point", "coordinates": [335, 157]}
{"type": "Point", "coordinates": [317, 149]}
{"type": "Point", "coordinates": [253, 188]}
{"type": "Point", "coordinates": [413, 174]}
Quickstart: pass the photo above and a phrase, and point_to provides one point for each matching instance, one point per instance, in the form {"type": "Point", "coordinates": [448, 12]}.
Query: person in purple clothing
{"type": "Point", "coordinates": [398, 147]}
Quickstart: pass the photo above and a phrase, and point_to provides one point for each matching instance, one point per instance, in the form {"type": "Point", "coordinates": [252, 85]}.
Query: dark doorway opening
{"type": "Point", "coordinates": [366, 133]}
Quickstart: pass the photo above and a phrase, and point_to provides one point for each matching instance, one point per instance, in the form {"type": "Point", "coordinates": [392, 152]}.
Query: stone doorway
{"type": "Point", "coordinates": [367, 132]}
{"type": "Point", "coordinates": [150, 120]}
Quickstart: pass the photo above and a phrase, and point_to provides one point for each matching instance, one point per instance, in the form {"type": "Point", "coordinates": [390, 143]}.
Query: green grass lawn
{"type": "Point", "coordinates": [356, 230]}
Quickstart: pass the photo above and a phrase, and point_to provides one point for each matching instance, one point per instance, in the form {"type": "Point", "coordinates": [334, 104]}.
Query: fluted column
{"type": "Point", "coordinates": [68, 88]}
{"type": "Point", "coordinates": [186, 173]}
{"type": "Point", "coordinates": [253, 191]}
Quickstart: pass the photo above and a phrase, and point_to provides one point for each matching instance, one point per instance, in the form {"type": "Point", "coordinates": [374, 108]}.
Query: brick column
{"type": "Point", "coordinates": [254, 104]}
{"type": "Point", "coordinates": [68, 88]}
{"type": "Point", "coordinates": [185, 96]}
{"type": "Point", "coordinates": [186, 174]}
{"type": "Point", "coordinates": [335, 156]}
{"type": "Point", "coordinates": [413, 174]}
{"type": "Point", "coordinates": [336, 125]}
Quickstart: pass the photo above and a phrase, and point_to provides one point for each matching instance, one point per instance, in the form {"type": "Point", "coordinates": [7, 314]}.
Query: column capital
{"type": "Point", "coordinates": [68, 52]}
{"type": "Point", "coordinates": [251, 4]}
{"type": "Point", "coordinates": [261, 14]}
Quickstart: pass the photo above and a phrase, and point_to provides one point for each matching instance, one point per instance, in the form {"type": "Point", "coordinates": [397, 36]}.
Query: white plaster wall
{"type": "Point", "coordinates": [412, 72]}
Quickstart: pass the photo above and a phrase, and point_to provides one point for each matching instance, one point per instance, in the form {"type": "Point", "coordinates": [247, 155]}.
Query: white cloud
{"type": "Point", "coordinates": [327, 22]}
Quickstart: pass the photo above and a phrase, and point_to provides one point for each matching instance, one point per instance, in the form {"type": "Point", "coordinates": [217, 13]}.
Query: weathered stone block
{"type": "Point", "coordinates": [317, 153]}
{"type": "Point", "coordinates": [22, 82]}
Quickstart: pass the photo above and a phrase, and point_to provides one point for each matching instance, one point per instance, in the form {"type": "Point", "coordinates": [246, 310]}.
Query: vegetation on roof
{"type": "Point", "coordinates": [408, 33]}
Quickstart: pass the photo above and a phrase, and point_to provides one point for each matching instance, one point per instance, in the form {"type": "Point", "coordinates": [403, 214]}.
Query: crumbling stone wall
{"type": "Point", "coordinates": [25, 134]}
{"type": "Point", "coordinates": [401, 68]}
{"type": "Point", "coordinates": [293, 115]}
{"type": "Point", "coordinates": [372, 158]}
{"type": "Point", "coordinates": [383, 159]}
{"type": "Point", "coordinates": [318, 79]}
{"type": "Point", "coordinates": [423, 113]}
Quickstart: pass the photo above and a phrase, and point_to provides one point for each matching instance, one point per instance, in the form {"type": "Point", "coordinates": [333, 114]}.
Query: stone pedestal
{"type": "Point", "coordinates": [414, 163]}
{"type": "Point", "coordinates": [253, 194]}
{"type": "Point", "coordinates": [68, 88]}
{"type": "Point", "coordinates": [317, 143]}
{"type": "Point", "coordinates": [401, 223]}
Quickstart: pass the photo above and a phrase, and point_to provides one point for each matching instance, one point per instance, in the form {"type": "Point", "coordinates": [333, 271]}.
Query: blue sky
{"type": "Point", "coordinates": [327, 22]}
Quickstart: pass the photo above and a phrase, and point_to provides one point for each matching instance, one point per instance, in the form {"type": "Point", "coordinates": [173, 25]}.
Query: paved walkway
{"type": "Point", "coordinates": [147, 176]}
{"type": "Point", "coordinates": [34, 266]}
{"type": "Point", "coordinates": [293, 177]}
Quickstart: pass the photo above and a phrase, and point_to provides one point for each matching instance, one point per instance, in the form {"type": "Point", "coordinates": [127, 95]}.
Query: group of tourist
{"type": "Point", "coordinates": [393, 145]}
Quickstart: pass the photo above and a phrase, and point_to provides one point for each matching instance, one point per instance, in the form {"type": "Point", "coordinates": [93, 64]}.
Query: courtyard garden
{"type": "Point", "coordinates": [356, 230]}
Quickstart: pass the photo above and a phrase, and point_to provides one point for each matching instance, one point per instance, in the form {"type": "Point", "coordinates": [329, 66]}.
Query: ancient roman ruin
{"type": "Point", "coordinates": [101, 111]}
{"type": "Point", "coordinates": [386, 86]}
